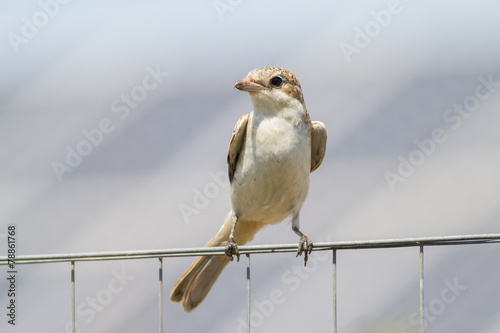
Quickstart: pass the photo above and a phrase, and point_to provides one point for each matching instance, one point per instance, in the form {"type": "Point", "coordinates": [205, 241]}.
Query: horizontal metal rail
{"type": "Point", "coordinates": [252, 249]}
{"type": "Point", "coordinates": [255, 249]}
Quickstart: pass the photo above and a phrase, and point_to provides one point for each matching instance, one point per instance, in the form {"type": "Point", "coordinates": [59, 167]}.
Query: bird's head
{"type": "Point", "coordinates": [272, 87]}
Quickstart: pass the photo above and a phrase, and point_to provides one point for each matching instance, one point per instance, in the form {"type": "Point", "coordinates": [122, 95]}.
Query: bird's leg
{"type": "Point", "coordinates": [231, 246]}
{"type": "Point", "coordinates": [305, 244]}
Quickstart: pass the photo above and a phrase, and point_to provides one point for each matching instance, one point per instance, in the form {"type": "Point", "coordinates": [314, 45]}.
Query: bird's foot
{"type": "Point", "coordinates": [232, 249]}
{"type": "Point", "coordinates": [305, 246]}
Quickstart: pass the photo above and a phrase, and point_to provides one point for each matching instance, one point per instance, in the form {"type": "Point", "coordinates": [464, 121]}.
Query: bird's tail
{"type": "Point", "coordinates": [198, 279]}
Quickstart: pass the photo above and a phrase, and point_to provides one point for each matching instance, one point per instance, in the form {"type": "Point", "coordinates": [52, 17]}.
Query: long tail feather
{"type": "Point", "coordinates": [196, 282]}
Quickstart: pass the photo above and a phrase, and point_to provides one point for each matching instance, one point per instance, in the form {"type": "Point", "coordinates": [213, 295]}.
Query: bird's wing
{"type": "Point", "coordinates": [318, 144]}
{"type": "Point", "coordinates": [236, 144]}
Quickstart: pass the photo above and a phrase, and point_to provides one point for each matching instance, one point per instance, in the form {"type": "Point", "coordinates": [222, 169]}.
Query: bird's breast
{"type": "Point", "coordinates": [272, 177]}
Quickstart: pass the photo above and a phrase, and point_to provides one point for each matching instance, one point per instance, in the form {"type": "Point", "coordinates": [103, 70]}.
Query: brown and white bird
{"type": "Point", "coordinates": [272, 152]}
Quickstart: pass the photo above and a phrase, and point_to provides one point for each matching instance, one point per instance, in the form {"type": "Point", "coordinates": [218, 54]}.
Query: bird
{"type": "Point", "coordinates": [271, 154]}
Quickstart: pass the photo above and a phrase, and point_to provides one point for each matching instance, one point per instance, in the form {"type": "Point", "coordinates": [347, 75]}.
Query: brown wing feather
{"type": "Point", "coordinates": [236, 144]}
{"type": "Point", "coordinates": [318, 144]}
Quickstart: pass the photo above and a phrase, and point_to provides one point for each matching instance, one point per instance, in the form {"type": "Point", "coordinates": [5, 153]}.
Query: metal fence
{"type": "Point", "coordinates": [419, 243]}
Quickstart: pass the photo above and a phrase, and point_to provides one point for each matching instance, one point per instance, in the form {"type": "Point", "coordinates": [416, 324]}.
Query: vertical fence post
{"type": "Point", "coordinates": [422, 322]}
{"type": "Point", "coordinates": [160, 294]}
{"type": "Point", "coordinates": [73, 298]}
{"type": "Point", "coordinates": [334, 296]}
{"type": "Point", "coordinates": [248, 294]}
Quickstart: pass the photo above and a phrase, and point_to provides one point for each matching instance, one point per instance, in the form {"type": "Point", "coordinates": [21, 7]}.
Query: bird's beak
{"type": "Point", "coordinates": [248, 84]}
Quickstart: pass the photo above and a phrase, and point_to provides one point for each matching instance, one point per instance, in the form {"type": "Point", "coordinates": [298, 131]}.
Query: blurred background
{"type": "Point", "coordinates": [115, 119]}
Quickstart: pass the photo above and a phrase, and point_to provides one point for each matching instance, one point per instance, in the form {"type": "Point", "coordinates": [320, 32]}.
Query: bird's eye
{"type": "Point", "coordinates": [276, 81]}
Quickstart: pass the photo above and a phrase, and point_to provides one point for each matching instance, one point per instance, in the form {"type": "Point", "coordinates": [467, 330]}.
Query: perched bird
{"type": "Point", "coordinates": [271, 154]}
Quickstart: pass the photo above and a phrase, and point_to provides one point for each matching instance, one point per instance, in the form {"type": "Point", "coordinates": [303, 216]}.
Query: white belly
{"type": "Point", "coordinates": [272, 177]}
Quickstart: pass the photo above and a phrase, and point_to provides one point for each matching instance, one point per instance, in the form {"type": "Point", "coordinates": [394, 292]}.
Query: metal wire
{"type": "Point", "coordinates": [334, 296]}
{"type": "Point", "coordinates": [160, 294]}
{"type": "Point", "coordinates": [73, 298]}
{"type": "Point", "coordinates": [249, 305]}
{"type": "Point", "coordinates": [247, 250]}
{"type": "Point", "coordinates": [422, 320]}
{"type": "Point", "coordinates": [204, 251]}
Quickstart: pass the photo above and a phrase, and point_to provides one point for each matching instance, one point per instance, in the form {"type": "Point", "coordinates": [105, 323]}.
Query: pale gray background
{"type": "Point", "coordinates": [126, 194]}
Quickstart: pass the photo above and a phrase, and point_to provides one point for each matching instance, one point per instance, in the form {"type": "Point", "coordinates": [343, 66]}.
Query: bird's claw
{"type": "Point", "coordinates": [305, 246]}
{"type": "Point", "coordinates": [232, 249]}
